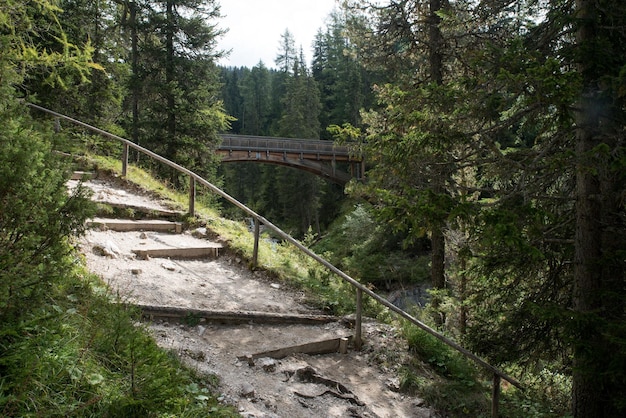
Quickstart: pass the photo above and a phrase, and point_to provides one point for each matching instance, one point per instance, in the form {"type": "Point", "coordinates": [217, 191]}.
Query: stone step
{"type": "Point", "coordinates": [126, 225]}
{"type": "Point", "coordinates": [206, 251]}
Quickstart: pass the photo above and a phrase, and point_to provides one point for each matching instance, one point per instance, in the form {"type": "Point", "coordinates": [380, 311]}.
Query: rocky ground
{"type": "Point", "coordinates": [355, 384]}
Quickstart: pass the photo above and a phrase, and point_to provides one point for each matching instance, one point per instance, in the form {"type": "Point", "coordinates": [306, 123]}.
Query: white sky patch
{"type": "Point", "coordinates": [255, 28]}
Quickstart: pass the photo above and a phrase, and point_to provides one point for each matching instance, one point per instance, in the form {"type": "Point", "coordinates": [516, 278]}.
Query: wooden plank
{"type": "Point", "coordinates": [495, 396]}
{"type": "Point", "coordinates": [125, 225]}
{"type": "Point", "coordinates": [153, 212]}
{"type": "Point", "coordinates": [234, 316]}
{"type": "Point", "coordinates": [192, 196]}
{"type": "Point", "coordinates": [193, 252]}
{"type": "Point", "coordinates": [317, 347]}
{"type": "Point", "coordinates": [82, 175]}
{"type": "Point", "coordinates": [255, 251]}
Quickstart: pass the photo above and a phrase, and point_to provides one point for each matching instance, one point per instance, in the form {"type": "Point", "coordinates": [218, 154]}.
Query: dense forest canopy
{"type": "Point", "coordinates": [493, 131]}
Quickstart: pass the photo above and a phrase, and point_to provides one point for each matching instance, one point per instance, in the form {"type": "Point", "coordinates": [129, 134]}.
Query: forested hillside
{"type": "Point", "coordinates": [296, 99]}
{"type": "Point", "coordinates": [493, 134]}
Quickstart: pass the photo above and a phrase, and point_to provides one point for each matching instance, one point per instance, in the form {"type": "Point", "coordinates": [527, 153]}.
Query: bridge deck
{"type": "Point", "coordinates": [305, 148]}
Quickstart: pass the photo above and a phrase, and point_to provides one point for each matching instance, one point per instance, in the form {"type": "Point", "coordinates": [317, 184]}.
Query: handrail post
{"type": "Point", "coordinates": [495, 395]}
{"type": "Point", "coordinates": [192, 196]}
{"type": "Point", "coordinates": [255, 251]}
{"type": "Point", "coordinates": [358, 341]}
{"type": "Point", "coordinates": [125, 161]}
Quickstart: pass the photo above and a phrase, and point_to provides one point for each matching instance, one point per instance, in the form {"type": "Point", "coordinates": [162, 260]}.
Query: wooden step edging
{"type": "Point", "coordinates": [333, 345]}
{"type": "Point", "coordinates": [126, 225]}
{"type": "Point", "coordinates": [210, 251]}
{"type": "Point", "coordinates": [172, 312]}
{"type": "Point", "coordinates": [152, 212]}
{"type": "Point", "coordinates": [82, 175]}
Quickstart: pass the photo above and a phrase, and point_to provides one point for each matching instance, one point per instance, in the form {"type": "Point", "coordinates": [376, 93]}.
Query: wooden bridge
{"type": "Point", "coordinates": [315, 156]}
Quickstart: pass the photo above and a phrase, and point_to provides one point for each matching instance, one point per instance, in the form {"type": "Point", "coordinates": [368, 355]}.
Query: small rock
{"type": "Point", "coordinates": [200, 233]}
{"type": "Point", "coordinates": [168, 265]}
{"type": "Point", "coordinates": [108, 249]}
{"type": "Point", "coordinates": [268, 364]}
{"type": "Point", "coordinates": [247, 391]}
{"type": "Point", "coordinates": [419, 402]}
{"type": "Point", "coordinates": [143, 235]}
{"type": "Point", "coordinates": [136, 272]}
{"type": "Point", "coordinates": [201, 330]}
{"type": "Point", "coordinates": [275, 285]}
{"type": "Point", "coordinates": [393, 384]}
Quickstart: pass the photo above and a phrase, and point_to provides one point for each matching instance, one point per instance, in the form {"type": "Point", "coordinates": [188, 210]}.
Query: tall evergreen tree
{"type": "Point", "coordinates": [408, 138]}
{"type": "Point", "coordinates": [231, 79]}
{"type": "Point", "coordinates": [37, 215]}
{"type": "Point", "coordinates": [179, 110]}
{"type": "Point", "coordinates": [344, 82]}
{"type": "Point", "coordinates": [256, 92]}
{"type": "Point", "coordinates": [299, 192]}
{"type": "Point", "coordinates": [287, 53]}
{"type": "Point", "coordinates": [95, 97]}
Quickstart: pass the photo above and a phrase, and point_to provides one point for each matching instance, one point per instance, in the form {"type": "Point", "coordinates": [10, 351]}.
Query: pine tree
{"type": "Point", "coordinates": [37, 215]}
{"type": "Point", "coordinates": [256, 92]}
{"type": "Point", "coordinates": [178, 111]}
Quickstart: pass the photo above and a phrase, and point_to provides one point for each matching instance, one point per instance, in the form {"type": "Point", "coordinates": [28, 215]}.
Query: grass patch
{"type": "Point", "coordinates": [79, 354]}
{"type": "Point", "coordinates": [444, 377]}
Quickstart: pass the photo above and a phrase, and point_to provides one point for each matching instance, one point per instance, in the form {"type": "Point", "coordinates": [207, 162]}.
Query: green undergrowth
{"type": "Point", "coordinates": [80, 353]}
{"type": "Point", "coordinates": [442, 376]}
{"type": "Point", "coordinates": [456, 385]}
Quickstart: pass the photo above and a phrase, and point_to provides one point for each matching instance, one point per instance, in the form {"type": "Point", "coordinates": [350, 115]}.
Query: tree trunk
{"type": "Point", "coordinates": [599, 269]}
{"type": "Point", "coordinates": [436, 73]}
{"type": "Point", "coordinates": [135, 71]}
{"type": "Point", "coordinates": [587, 276]}
{"type": "Point", "coordinates": [170, 77]}
{"type": "Point", "coordinates": [438, 259]}
{"type": "Point", "coordinates": [435, 40]}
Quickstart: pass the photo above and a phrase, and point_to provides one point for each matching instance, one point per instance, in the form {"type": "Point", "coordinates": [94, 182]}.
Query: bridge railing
{"type": "Point", "coordinates": [287, 145]}
{"type": "Point", "coordinates": [498, 375]}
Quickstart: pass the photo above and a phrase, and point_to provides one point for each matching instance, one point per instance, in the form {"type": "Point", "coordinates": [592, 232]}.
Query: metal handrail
{"type": "Point", "coordinates": [276, 144]}
{"type": "Point", "coordinates": [497, 374]}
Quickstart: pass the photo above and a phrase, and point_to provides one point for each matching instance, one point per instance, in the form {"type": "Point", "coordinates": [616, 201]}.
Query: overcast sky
{"type": "Point", "coordinates": [255, 26]}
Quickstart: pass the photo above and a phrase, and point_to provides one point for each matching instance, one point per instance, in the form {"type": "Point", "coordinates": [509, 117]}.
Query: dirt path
{"type": "Point", "coordinates": [355, 384]}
